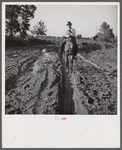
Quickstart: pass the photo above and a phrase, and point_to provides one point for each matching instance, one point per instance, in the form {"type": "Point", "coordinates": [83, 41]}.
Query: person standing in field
{"type": "Point", "coordinates": [71, 32]}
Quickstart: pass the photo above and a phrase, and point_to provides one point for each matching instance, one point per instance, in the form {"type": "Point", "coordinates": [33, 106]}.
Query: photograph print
{"type": "Point", "coordinates": [61, 59]}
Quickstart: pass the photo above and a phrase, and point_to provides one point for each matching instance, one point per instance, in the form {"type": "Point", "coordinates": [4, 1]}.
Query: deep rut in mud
{"type": "Point", "coordinates": [68, 105]}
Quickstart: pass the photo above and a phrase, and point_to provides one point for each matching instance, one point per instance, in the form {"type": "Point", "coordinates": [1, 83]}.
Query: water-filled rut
{"type": "Point", "coordinates": [68, 106]}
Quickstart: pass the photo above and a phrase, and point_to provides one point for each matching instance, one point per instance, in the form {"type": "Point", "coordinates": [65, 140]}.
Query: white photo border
{"type": "Point", "coordinates": [43, 131]}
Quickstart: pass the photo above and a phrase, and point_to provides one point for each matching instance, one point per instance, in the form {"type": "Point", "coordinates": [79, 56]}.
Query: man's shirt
{"type": "Point", "coordinates": [72, 32]}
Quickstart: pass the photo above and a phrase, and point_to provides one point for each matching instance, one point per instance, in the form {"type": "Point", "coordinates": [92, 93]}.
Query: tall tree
{"type": "Point", "coordinates": [106, 34]}
{"type": "Point", "coordinates": [26, 14]}
{"type": "Point", "coordinates": [12, 25]}
{"type": "Point", "coordinates": [104, 27]}
{"type": "Point", "coordinates": [109, 33]}
{"type": "Point", "coordinates": [18, 17]}
{"type": "Point", "coordinates": [39, 29]}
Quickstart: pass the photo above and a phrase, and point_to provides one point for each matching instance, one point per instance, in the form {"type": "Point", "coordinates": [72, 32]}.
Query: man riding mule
{"type": "Point", "coordinates": [69, 53]}
{"type": "Point", "coordinates": [70, 35]}
{"type": "Point", "coordinates": [69, 47]}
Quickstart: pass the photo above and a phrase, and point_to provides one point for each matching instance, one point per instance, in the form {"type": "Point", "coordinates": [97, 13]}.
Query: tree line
{"type": "Point", "coordinates": [17, 21]}
{"type": "Point", "coordinates": [18, 17]}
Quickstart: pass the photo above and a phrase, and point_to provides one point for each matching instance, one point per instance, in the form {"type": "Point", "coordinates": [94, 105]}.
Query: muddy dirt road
{"type": "Point", "coordinates": [37, 82]}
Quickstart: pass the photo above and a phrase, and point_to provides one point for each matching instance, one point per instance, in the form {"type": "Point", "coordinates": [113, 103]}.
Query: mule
{"type": "Point", "coordinates": [69, 54]}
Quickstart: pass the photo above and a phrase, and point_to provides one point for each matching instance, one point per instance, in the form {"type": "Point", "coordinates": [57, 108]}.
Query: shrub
{"type": "Point", "coordinates": [18, 41]}
{"type": "Point", "coordinates": [90, 46]}
{"type": "Point", "coordinates": [14, 41]}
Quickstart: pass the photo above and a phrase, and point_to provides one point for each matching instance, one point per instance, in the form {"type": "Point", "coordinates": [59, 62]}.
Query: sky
{"type": "Point", "coordinates": [86, 19]}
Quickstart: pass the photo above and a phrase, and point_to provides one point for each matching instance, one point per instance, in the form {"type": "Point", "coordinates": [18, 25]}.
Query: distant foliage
{"type": "Point", "coordinates": [95, 37]}
{"type": "Point", "coordinates": [79, 36]}
{"type": "Point", "coordinates": [105, 34]}
{"type": "Point", "coordinates": [39, 29]}
{"type": "Point", "coordinates": [104, 27]}
{"type": "Point", "coordinates": [102, 37]}
{"type": "Point", "coordinates": [14, 42]}
{"type": "Point", "coordinates": [28, 41]}
{"type": "Point", "coordinates": [90, 46]}
{"type": "Point", "coordinates": [17, 19]}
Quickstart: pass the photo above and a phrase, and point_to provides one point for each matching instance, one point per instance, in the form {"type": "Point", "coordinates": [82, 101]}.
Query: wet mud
{"type": "Point", "coordinates": [37, 82]}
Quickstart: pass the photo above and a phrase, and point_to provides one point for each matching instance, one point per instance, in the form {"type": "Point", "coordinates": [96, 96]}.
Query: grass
{"type": "Point", "coordinates": [101, 53]}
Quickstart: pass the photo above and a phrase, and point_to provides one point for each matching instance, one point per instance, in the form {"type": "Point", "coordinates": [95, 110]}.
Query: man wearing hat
{"type": "Point", "coordinates": [70, 33]}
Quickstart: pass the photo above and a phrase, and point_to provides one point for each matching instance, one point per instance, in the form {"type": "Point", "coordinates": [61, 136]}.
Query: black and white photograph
{"type": "Point", "coordinates": [60, 60]}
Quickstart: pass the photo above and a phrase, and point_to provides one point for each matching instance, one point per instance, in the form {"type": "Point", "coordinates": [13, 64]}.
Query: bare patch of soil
{"type": "Point", "coordinates": [36, 88]}
{"type": "Point", "coordinates": [37, 82]}
{"type": "Point", "coordinates": [94, 93]}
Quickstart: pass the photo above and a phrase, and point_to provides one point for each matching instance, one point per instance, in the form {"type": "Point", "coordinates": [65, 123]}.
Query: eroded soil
{"type": "Point", "coordinates": [37, 82]}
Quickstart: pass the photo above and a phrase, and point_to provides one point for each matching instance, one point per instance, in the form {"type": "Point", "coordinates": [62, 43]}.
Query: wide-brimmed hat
{"type": "Point", "coordinates": [69, 23]}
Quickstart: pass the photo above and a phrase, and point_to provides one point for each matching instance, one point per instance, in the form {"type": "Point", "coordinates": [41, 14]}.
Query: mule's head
{"type": "Point", "coordinates": [68, 47]}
